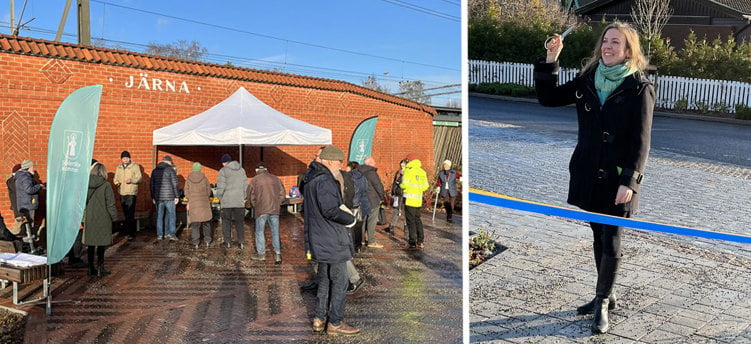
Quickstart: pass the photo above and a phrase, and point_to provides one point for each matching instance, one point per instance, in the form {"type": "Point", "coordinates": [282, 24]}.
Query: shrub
{"type": "Point", "coordinates": [742, 112]}
{"type": "Point", "coordinates": [480, 247]}
{"type": "Point", "coordinates": [506, 89]}
{"type": "Point", "coordinates": [681, 104]}
{"type": "Point", "coordinates": [721, 107]}
{"type": "Point", "coordinates": [702, 106]}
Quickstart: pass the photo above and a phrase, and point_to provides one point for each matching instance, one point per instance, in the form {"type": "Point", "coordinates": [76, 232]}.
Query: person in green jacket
{"type": "Point", "coordinates": [414, 183]}
{"type": "Point", "coordinates": [99, 214]}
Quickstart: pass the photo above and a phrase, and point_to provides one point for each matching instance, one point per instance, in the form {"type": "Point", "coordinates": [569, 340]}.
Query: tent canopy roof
{"type": "Point", "coordinates": [241, 119]}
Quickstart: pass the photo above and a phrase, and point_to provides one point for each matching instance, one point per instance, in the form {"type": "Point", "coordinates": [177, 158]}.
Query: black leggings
{"type": "Point", "coordinates": [607, 240]}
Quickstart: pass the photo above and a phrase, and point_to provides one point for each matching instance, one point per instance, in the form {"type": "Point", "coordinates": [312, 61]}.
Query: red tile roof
{"type": "Point", "coordinates": [69, 51]}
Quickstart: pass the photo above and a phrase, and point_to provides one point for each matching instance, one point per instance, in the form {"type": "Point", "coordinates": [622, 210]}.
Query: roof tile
{"type": "Point", "coordinates": [19, 45]}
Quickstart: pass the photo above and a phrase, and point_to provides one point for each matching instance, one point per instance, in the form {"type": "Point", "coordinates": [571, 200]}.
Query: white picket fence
{"type": "Point", "coordinates": [694, 94]}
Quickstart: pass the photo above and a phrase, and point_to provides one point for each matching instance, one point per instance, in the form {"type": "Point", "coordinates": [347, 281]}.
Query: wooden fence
{"type": "Point", "coordinates": [672, 91]}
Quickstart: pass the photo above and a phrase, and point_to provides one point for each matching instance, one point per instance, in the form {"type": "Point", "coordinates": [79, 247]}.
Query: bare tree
{"type": "Point", "coordinates": [181, 49]}
{"type": "Point", "coordinates": [372, 83]}
{"type": "Point", "coordinates": [414, 90]}
{"type": "Point", "coordinates": [650, 17]}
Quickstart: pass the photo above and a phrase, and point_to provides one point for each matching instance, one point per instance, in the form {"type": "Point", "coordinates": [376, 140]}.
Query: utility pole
{"type": "Point", "coordinates": [12, 17]}
{"type": "Point", "coordinates": [84, 21]}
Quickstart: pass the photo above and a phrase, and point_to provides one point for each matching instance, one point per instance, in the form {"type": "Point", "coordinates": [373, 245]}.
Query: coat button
{"type": "Point", "coordinates": [587, 107]}
{"type": "Point", "coordinates": [601, 174]}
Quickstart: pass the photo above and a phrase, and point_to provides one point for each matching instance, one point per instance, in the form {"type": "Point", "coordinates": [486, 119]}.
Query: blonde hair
{"type": "Point", "coordinates": [636, 61]}
{"type": "Point", "coordinates": [99, 170]}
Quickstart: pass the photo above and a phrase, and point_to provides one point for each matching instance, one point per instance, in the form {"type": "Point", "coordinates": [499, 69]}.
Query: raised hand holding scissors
{"type": "Point", "coordinates": [554, 44]}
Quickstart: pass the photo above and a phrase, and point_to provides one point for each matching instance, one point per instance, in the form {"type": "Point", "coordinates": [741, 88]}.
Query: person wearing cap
{"type": "Point", "coordinates": [355, 282]}
{"type": "Point", "coordinates": [446, 187]}
{"type": "Point", "coordinates": [98, 216]}
{"type": "Point", "coordinates": [127, 178]}
{"type": "Point", "coordinates": [27, 191]}
{"type": "Point", "coordinates": [328, 240]}
{"type": "Point", "coordinates": [231, 185]}
{"type": "Point", "coordinates": [165, 195]}
{"type": "Point", "coordinates": [376, 196]}
{"type": "Point", "coordinates": [198, 191]}
{"type": "Point", "coordinates": [414, 183]}
{"type": "Point", "coordinates": [266, 194]}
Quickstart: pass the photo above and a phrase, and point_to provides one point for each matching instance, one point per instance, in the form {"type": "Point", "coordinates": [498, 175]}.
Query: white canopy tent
{"type": "Point", "coordinates": [241, 119]}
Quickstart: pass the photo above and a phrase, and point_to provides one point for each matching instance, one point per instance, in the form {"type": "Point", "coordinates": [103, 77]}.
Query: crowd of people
{"type": "Point", "coordinates": [341, 209]}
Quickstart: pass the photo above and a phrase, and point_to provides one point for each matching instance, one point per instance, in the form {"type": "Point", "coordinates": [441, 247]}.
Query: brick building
{"type": "Point", "coordinates": [142, 93]}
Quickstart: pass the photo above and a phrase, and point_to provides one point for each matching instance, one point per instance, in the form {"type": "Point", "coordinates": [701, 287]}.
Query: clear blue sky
{"type": "Point", "coordinates": [336, 39]}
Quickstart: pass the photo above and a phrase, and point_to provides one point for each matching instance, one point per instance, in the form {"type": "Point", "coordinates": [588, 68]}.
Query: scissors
{"type": "Point", "coordinates": [552, 39]}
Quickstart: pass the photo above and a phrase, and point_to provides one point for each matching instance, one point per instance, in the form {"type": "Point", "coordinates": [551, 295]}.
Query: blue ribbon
{"type": "Point", "coordinates": [507, 202]}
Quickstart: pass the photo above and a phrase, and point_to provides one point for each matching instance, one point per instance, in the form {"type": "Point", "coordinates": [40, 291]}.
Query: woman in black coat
{"type": "Point", "coordinates": [614, 103]}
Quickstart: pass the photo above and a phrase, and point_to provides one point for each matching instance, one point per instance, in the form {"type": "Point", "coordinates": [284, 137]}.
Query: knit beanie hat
{"type": "Point", "coordinates": [226, 158]}
{"type": "Point", "coordinates": [125, 154]}
{"type": "Point", "coordinates": [27, 164]}
{"type": "Point", "coordinates": [196, 167]}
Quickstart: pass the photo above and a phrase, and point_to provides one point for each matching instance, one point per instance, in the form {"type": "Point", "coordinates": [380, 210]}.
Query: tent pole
{"type": "Point", "coordinates": [47, 289]}
{"type": "Point", "coordinates": [241, 155]}
{"type": "Point", "coordinates": [261, 153]}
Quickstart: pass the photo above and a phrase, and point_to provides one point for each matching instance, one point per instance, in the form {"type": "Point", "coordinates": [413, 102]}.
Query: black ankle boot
{"type": "Point", "coordinates": [102, 272]}
{"type": "Point", "coordinates": [589, 307]}
{"type": "Point", "coordinates": [600, 323]}
{"type": "Point", "coordinates": [92, 271]}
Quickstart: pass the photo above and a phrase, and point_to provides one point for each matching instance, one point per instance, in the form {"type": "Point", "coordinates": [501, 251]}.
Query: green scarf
{"type": "Point", "coordinates": [607, 79]}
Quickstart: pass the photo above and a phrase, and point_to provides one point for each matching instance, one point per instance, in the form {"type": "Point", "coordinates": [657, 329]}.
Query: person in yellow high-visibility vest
{"type": "Point", "coordinates": [414, 183]}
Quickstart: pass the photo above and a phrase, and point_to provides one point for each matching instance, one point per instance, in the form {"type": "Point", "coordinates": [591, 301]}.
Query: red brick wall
{"type": "Point", "coordinates": [32, 88]}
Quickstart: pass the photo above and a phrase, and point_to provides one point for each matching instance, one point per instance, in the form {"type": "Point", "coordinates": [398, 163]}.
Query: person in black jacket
{"type": "Point", "coordinates": [328, 240]}
{"type": "Point", "coordinates": [397, 201]}
{"type": "Point", "coordinates": [614, 103]}
{"type": "Point", "coordinates": [165, 195]}
{"type": "Point", "coordinates": [376, 195]}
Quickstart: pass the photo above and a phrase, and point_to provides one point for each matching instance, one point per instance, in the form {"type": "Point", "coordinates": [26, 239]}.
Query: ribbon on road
{"type": "Point", "coordinates": [498, 200]}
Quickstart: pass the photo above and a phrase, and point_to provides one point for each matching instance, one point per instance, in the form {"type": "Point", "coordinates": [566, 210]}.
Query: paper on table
{"type": "Point", "coordinates": [22, 259]}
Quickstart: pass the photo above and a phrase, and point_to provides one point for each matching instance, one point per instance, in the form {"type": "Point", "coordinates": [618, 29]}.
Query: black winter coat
{"type": "Point", "coordinates": [326, 238]}
{"type": "Point", "coordinates": [614, 137]}
{"type": "Point", "coordinates": [163, 183]}
{"type": "Point", "coordinates": [376, 194]}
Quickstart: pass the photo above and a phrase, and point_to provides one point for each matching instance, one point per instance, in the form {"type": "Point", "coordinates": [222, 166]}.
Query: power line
{"type": "Point", "coordinates": [423, 10]}
{"type": "Point", "coordinates": [242, 61]}
{"type": "Point", "coordinates": [273, 37]}
{"type": "Point", "coordinates": [452, 2]}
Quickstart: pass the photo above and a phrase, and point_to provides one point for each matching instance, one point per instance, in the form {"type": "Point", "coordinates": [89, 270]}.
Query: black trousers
{"type": "Point", "coordinates": [414, 223]}
{"type": "Point", "coordinates": [128, 203]}
{"type": "Point", "coordinates": [236, 217]}
{"type": "Point", "coordinates": [448, 204]}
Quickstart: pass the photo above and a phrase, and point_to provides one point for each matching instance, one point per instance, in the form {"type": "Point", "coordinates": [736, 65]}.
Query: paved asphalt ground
{"type": "Point", "coordinates": [171, 293]}
{"type": "Point", "coordinates": [671, 289]}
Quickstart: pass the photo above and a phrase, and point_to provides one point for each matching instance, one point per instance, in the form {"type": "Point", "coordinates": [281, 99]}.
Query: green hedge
{"type": "Point", "coordinates": [506, 89]}
{"type": "Point", "coordinates": [718, 59]}
{"type": "Point", "coordinates": [509, 42]}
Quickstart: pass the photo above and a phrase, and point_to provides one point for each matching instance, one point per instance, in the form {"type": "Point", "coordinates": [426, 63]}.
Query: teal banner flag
{"type": "Point", "coordinates": [361, 144]}
{"type": "Point", "coordinates": [69, 151]}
